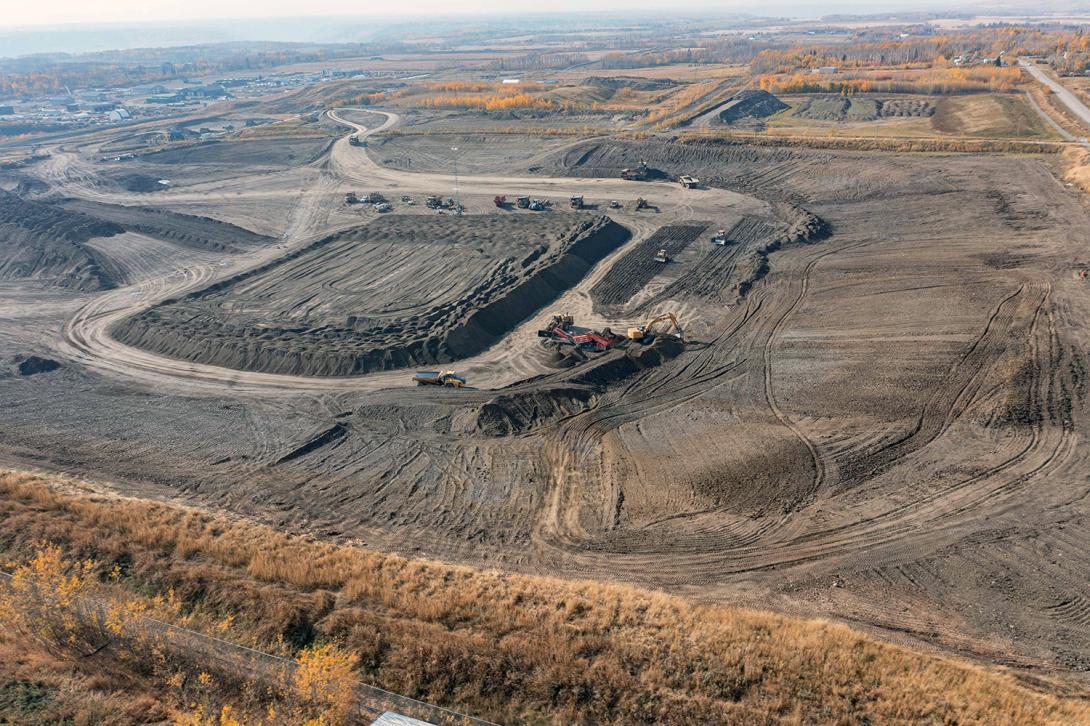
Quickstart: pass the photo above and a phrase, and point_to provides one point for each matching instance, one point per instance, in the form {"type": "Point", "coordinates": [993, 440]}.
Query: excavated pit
{"type": "Point", "coordinates": [402, 291]}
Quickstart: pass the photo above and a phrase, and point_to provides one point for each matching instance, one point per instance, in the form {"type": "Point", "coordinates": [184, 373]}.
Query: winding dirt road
{"type": "Point", "coordinates": [86, 337]}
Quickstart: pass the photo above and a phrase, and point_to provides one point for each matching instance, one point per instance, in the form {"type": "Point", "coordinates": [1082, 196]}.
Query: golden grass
{"type": "Point", "coordinates": [989, 116]}
{"type": "Point", "coordinates": [514, 648]}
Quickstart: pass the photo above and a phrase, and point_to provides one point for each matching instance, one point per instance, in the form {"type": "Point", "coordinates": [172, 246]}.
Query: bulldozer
{"type": "Point", "coordinates": [647, 330]}
{"type": "Point", "coordinates": [662, 256]}
{"type": "Point", "coordinates": [435, 378]}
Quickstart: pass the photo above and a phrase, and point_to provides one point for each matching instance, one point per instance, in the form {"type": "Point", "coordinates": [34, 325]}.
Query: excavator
{"type": "Point", "coordinates": [647, 330]}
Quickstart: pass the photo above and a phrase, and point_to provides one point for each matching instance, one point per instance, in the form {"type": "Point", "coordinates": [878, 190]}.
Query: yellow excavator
{"type": "Point", "coordinates": [647, 330]}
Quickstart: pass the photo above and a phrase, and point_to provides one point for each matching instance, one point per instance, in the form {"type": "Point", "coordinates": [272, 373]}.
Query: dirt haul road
{"type": "Point", "coordinates": [884, 425]}
{"type": "Point", "coordinates": [87, 339]}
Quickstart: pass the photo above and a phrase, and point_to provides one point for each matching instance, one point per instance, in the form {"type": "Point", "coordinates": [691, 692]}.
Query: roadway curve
{"type": "Point", "coordinates": [1067, 98]}
{"type": "Point", "coordinates": [86, 337]}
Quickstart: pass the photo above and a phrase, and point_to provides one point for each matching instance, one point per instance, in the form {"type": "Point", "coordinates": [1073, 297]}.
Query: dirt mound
{"type": "Point", "coordinates": [800, 175]}
{"type": "Point", "coordinates": [633, 271]}
{"type": "Point", "coordinates": [399, 292]}
{"type": "Point", "coordinates": [186, 230]}
{"type": "Point", "coordinates": [750, 104]}
{"type": "Point", "coordinates": [518, 413]}
{"type": "Point", "coordinates": [42, 241]}
{"type": "Point", "coordinates": [535, 405]}
{"type": "Point", "coordinates": [279, 153]}
{"type": "Point", "coordinates": [906, 107]}
{"type": "Point", "coordinates": [141, 183]}
{"type": "Point", "coordinates": [32, 364]}
{"type": "Point", "coordinates": [837, 108]}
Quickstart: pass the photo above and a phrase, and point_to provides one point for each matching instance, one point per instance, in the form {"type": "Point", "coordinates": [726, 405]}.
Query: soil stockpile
{"type": "Point", "coordinates": [799, 175]}
{"type": "Point", "coordinates": [401, 291]}
{"type": "Point", "coordinates": [45, 242]}
{"type": "Point", "coordinates": [750, 104]}
{"type": "Point", "coordinates": [186, 230]}
{"type": "Point", "coordinates": [636, 268]}
{"type": "Point", "coordinates": [837, 108]}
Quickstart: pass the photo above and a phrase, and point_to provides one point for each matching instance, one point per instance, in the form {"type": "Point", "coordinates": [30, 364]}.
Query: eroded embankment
{"type": "Point", "coordinates": [43, 242]}
{"type": "Point", "coordinates": [201, 327]}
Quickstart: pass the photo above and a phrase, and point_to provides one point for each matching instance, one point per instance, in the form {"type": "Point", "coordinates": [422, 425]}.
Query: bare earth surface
{"type": "Point", "coordinates": [878, 415]}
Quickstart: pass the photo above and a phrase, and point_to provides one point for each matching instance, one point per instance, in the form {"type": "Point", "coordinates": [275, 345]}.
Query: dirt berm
{"type": "Point", "coordinates": [529, 406]}
{"type": "Point", "coordinates": [395, 293]}
{"type": "Point", "coordinates": [44, 242]}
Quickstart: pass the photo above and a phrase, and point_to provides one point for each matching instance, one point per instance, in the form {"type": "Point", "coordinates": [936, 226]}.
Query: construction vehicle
{"type": "Point", "coordinates": [647, 330]}
{"type": "Point", "coordinates": [355, 140]}
{"type": "Point", "coordinates": [435, 378]}
{"type": "Point", "coordinates": [376, 198]}
{"type": "Point", "coordinates": [351, 198]}
{"type": "Point", "coordinates": [408, 200]}
{"type": "Point", "coordinates": [433, 202]}
{"type": "Point", "coordinates": [523, 202]}
{"type": "Point", "coordinates": [615, 204]}
{"type": "Point", "coordinates": [641, 203]}
{"type": "Point", "coordinates": [500, 201]}
{"type": "Point", "coordinates": [662, 256]}
{"type": "Point", "coordinates": [720, 238]}
{"type": "Point", "coordinates": [382, 207]}
{"type": "Point", "coordinates": [637, 174]}
{"type": "Point", "coordinates": [576, 202]}
{"type": "Point", "coordinates": [689, 182]}
{"type": "Point", "coordinates": [559, 328]}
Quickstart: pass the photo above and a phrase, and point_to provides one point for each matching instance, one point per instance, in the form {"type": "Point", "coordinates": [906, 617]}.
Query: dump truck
{"type": "Point", "coordinates": [662, 256]}
{"type": "Point", "coordinates": [720, 238]}
{"type": "Point", "coordinates": [382, 207]}
{"type": "Point", "coordinates": [356, 140]}
{"type": "Point", "coordinates": [523, 202]}
{"type": "Point", "coordinates": [435, 378]}
{"type": "Point", "coordinates": [576, 202]}
{"type": "Point", "coordinates": [689, 182]}
{"type": "Point", "coordinates": [647, 330]}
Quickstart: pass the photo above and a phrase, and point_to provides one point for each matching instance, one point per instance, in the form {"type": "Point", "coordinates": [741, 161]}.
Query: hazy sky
{"type": "Point", "coordinates": [17, 13]}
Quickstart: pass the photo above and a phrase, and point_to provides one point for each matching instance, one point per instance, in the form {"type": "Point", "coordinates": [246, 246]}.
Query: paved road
{"type": "Point", "coordinates": [1066, 97]}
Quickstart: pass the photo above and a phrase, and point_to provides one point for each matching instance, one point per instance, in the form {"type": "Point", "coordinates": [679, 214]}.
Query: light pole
{"type": "Point", "coordinates": [457, 196]}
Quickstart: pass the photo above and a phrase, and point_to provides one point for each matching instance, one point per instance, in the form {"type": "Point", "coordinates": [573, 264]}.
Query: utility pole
{"type": "Point", "coordinates": [457, 196]}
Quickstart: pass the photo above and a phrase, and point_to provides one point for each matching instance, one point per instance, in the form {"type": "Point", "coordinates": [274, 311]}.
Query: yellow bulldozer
{"type": "Point", "coordinates": [647, 330]}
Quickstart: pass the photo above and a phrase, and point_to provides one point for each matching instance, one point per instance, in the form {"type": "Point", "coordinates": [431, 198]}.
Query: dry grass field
{"type": "Point", "coordinates": [506, 647]}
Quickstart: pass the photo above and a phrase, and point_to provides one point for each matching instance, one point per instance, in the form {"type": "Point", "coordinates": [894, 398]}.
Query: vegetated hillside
{"type": "Point", "coordinates": [43, 242]}
{"type": "Point", "coordinates": [510, 648]}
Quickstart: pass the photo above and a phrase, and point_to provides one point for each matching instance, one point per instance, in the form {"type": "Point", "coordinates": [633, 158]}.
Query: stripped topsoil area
{"type": "Point", "coordinates": [400, 291]}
